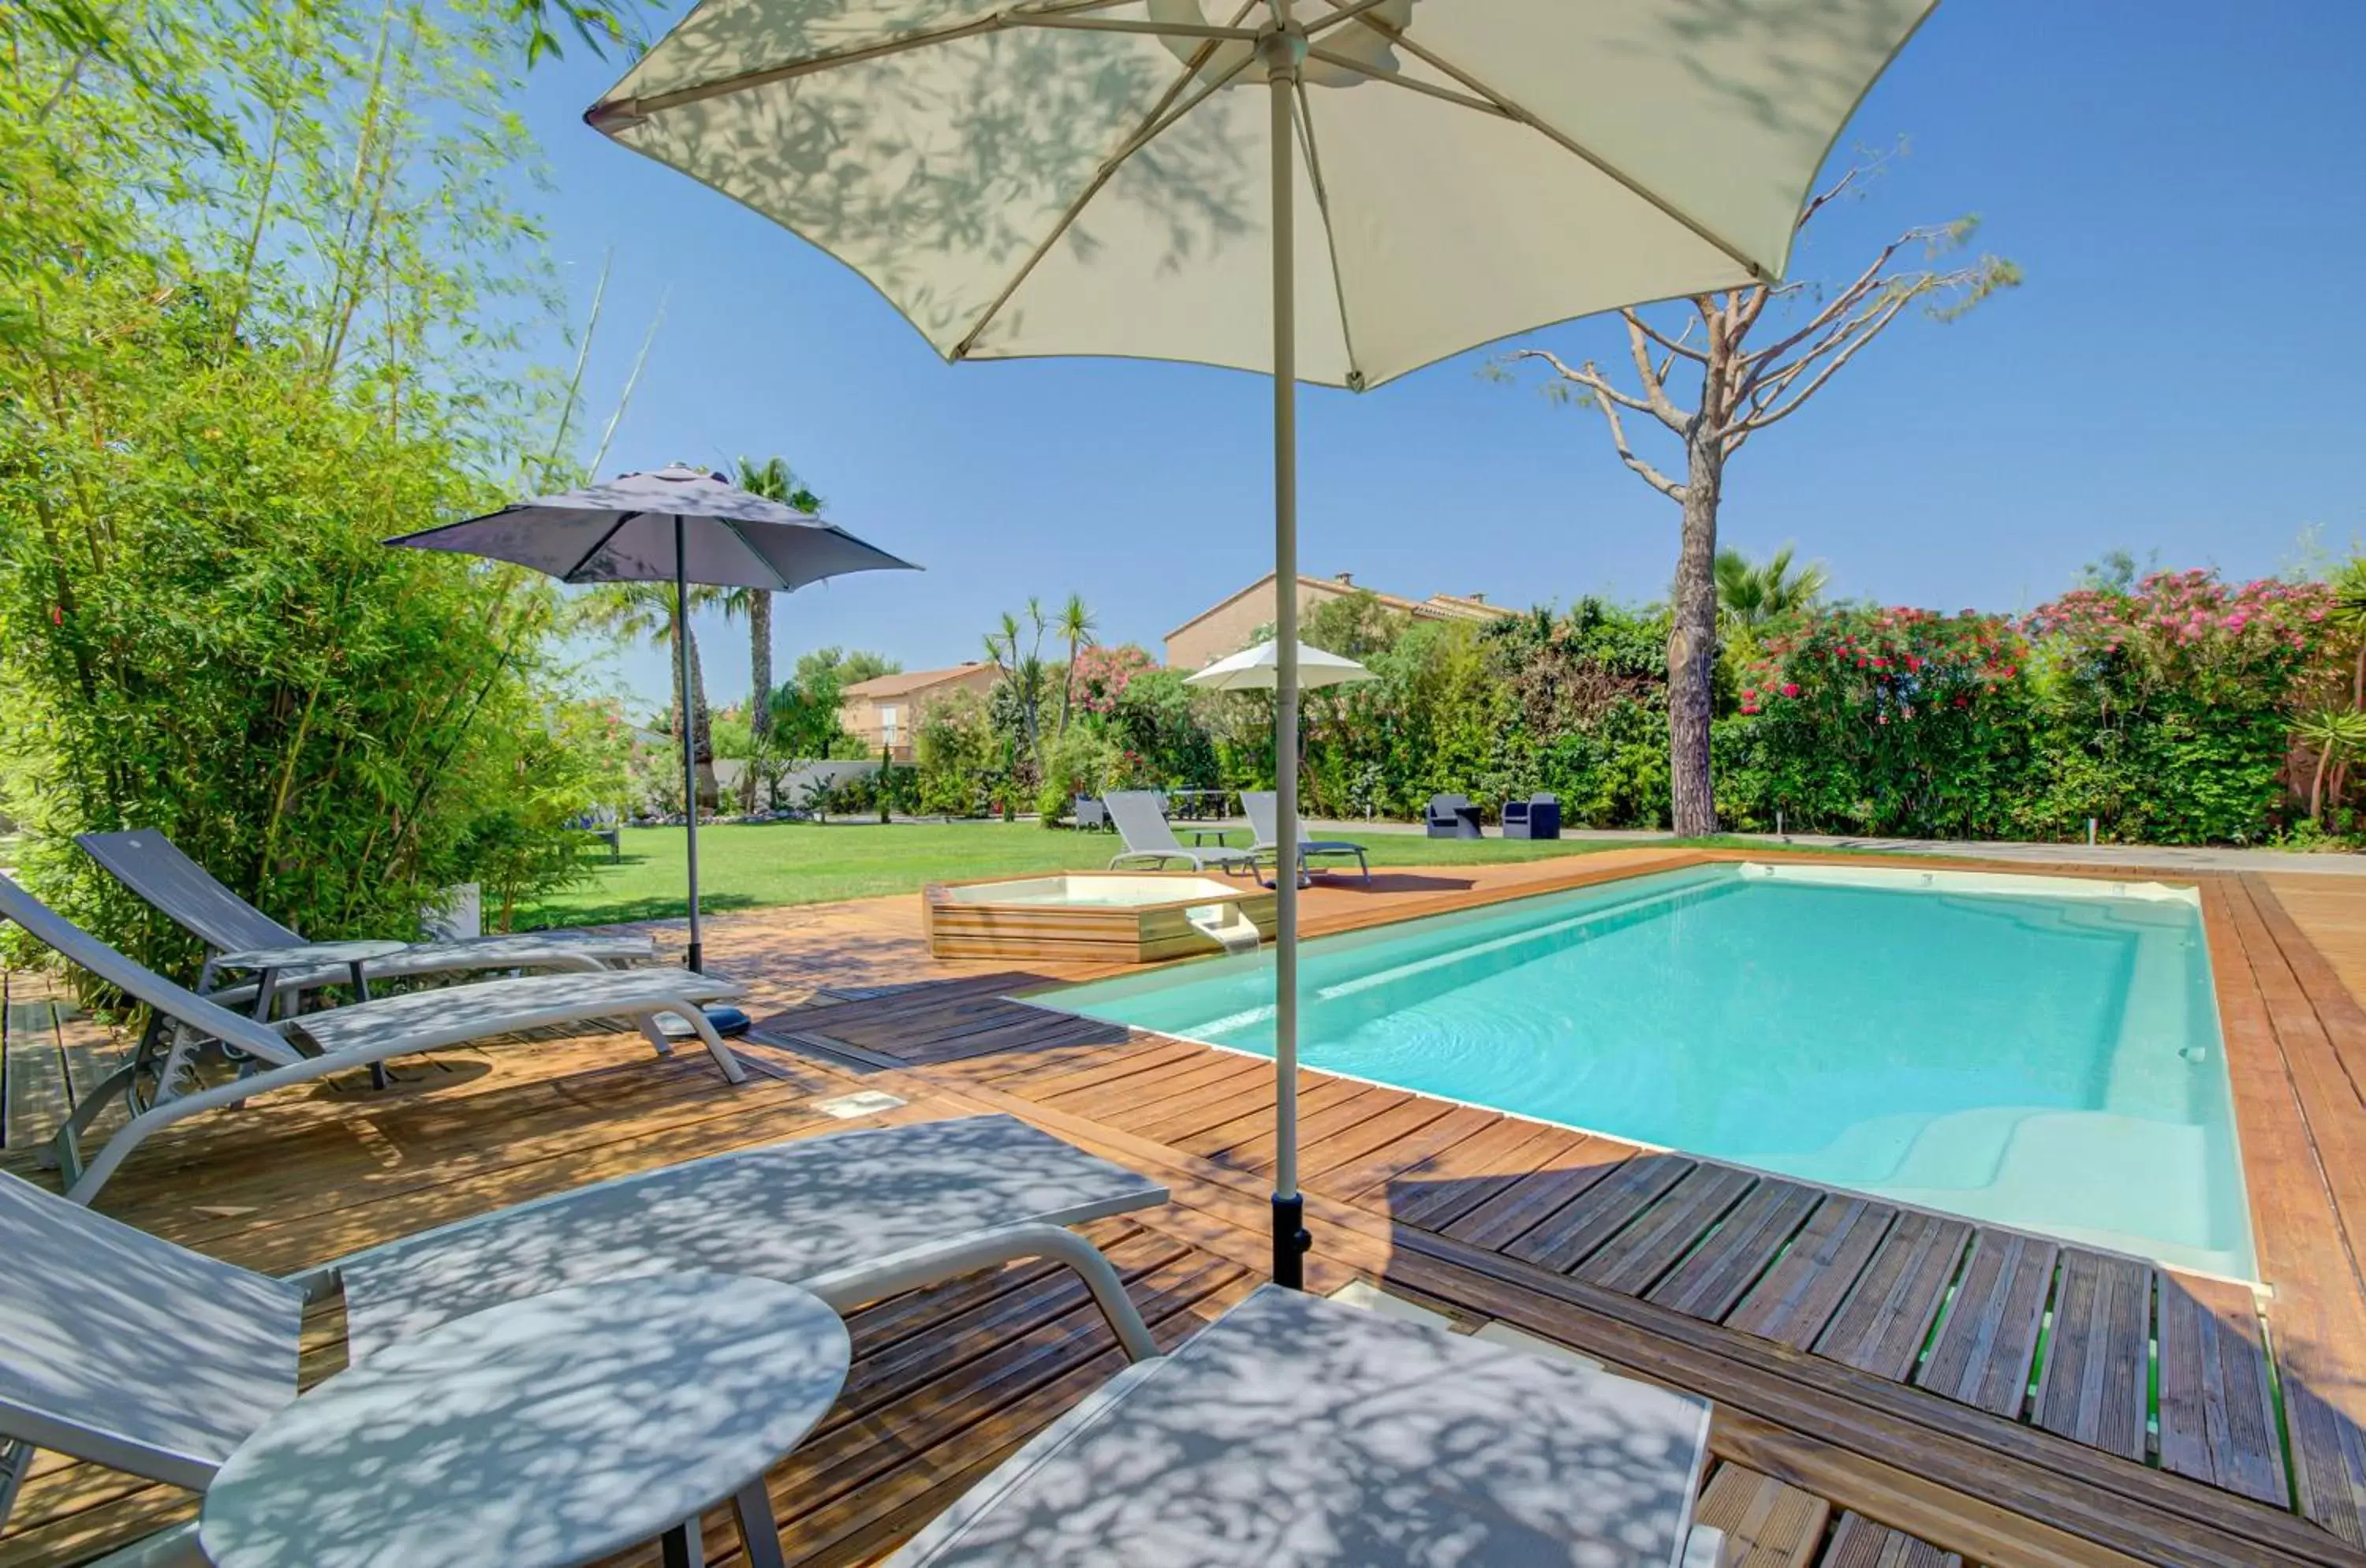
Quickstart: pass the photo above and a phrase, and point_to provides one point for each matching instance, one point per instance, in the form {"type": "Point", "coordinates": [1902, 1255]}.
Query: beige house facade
{"type": "Point", "coordinates": [885, 709]}
{"type": "Point", "coordinates": [1227, 626]}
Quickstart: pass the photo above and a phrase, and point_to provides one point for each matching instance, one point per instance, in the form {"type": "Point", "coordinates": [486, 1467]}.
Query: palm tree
{"type": "Point", "coordinates": [644, 610]}
{"type": "Point", "coordinates": [1023, 671]}
{"type": "Point", "coordinates": [2337, 734]}
{"type": "Point", "coordinates": [2348, 612]}
{"type": "Point", "coordinates": [774, 480]}
{"type": "Point", "coordinates": [1749, 596]}
{"type": "Point", "coordinates": [1076, 624]}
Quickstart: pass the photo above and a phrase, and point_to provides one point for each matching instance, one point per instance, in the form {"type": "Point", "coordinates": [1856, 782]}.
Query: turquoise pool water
{"type": "Point", "coordinates": [2040, 1052]}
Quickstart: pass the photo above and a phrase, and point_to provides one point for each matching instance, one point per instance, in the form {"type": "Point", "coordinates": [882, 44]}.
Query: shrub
{"type": "Point", "coordinates": [2167, 708]}
{"type": "Point", "coordinates": [959, 759]}
{"type": "Point", "coordinates": [201, 633]}
{"type": "Point", "coordinates": [1893, 721]}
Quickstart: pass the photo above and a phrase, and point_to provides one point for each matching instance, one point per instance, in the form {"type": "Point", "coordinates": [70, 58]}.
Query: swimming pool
{"type": "Point", "coordinates": [2041, 1052]}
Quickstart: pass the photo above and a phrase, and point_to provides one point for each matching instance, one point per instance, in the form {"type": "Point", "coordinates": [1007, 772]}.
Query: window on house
{"type": "Point", "coordinates": [887, 723]}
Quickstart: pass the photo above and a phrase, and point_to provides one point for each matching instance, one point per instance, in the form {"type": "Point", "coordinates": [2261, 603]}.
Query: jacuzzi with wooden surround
{"type": "Point", "coordinates": [1096, 918]}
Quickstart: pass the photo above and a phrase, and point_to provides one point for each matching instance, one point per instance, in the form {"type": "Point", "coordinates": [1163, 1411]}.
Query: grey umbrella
{"type": "Point", "coordinates": [678, 524]}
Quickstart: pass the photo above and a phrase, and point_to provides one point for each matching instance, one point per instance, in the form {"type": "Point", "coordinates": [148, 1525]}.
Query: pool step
{"type": "Point", "coordinates": [2006, 1164]}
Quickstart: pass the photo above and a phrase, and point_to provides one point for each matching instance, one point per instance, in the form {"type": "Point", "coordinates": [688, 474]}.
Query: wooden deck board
{"type": "Point", "coordinates": [1634, 1259]}
{"type": "Point", "coordinates": [1320, 1159]}
{"type": "Point", "coordinates": [1569, 1235]}
{"type": "Point", "coordinates": [1858, 1542]}
{"type": "Point", "coordinates": [2303, 1142]}
{"type": "Point", "coordinates": [1982, 1354]}
{"type": "Point", "coordinates": [2098, 1355]}
{"type": "Point", "coordinates": [1798, 1295]}
{"type": "Point", "coordinates": [1332, 1106]}
{"type": "Point", "coordinates": [1211, 1102]}
{"type": "Point", "coordinates": [1106, 1066]}
{"type": "Point", "coordinates": [1407, 1158]}
{"type": "Point", "coordinates": [1708, 1283]}
{"type": "Point", "coordinates": [1767, 1523]}
{"type": "Point", "coordinates": [34, 1098]}
{"type": "Point", "coordinates": [1882, 1324]}
{"type": "Point", "coordinates": [2217, 1407]}
{"type": "Point", "coordinates": [1453, 1184]}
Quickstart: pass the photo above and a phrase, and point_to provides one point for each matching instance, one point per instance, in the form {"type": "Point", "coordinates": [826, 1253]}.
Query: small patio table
{"type": "Point", "coordinates": [552, 1430]}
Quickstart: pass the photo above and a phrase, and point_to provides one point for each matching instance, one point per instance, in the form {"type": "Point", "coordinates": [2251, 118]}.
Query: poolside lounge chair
{"type": "Point", "coordinates": [1296, 1432]}
{"type": "Point", "coordinates": [1141, 823]}
{"type": "Point", "coordinates": [240, 936]}
{"type": "Point", "coordinates": [159, 1087]}
{"type": "Point", "coordinates": [1264, 827]}
{"type": "Point", "coordinates": [122, 1349]}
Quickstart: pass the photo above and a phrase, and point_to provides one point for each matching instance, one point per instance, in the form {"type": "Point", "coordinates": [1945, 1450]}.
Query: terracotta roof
{"type": "Point", "coordinates": [909, 682]}
{"type": "Point", "coordinates": [1437, 606]}
{"type": "Point", "coordinates": [1468, 607]}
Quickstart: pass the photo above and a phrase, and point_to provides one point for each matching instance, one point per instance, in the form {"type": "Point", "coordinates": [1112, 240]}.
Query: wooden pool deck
{"type": "Point", "coordinates": [1892, 1387]}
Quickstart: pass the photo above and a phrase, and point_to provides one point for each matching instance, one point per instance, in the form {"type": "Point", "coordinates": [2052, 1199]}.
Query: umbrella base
{"type": "Point", "coordinates": [1290, 1241]}
{"type": "Point", "coordinates": [729, 1023]}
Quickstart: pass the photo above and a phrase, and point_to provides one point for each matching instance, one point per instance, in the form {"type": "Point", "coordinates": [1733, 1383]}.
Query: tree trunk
{"type": "Point", "coordinates": [760, 664]}
{"type": "Point", "coordinates": [1692, 640]}
{"type": "Point", "coordinates": [702, 740]}
{"type": "Point", "coordinates": [1068, 688]}
{"type": "Point", "coordinates": [673, 679]}
{"type": "Point", "coordinates": [2316, 784]}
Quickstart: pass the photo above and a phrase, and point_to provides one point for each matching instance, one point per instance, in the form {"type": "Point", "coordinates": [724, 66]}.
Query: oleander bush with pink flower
{"type": "Point", "coordinates": [2163, 711]}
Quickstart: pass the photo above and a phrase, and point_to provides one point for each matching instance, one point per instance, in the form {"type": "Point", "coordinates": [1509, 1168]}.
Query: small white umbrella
{"type": "Point", "coordinates": [1258, 668]}
{"type": "Point", "coordinates": [1027, 178]}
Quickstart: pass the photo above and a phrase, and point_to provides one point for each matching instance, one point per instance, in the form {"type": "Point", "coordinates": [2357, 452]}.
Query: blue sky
{"type": "Point", "coordinates": [2179, 182]}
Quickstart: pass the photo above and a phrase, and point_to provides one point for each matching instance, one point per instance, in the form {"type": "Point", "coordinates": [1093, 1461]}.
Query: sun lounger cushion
{"type": "Point", "coordinates": [455, 1014]}
{"type": "Point", "coordinates": [1298, 1432]}
{"type": "Point", "coordinates": [791, 1212]}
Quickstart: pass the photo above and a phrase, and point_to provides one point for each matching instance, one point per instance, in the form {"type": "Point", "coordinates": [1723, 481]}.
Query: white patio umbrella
{"type": "Point", "coordinates": [1106, 177]}
{"type": "Point", "coordinates": [1258, 668]}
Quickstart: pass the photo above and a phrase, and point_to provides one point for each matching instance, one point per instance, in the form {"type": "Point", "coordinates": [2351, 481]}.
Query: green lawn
{"type": "Point", "coordinates": [801, 862]}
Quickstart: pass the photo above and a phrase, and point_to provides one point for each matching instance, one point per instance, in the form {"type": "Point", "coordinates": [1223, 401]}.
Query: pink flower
{"type": "Point", "coordinates": [1790, 688]}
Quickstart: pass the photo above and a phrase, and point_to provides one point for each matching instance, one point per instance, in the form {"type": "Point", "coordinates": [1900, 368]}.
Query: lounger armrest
{"type": "Point", "coordinates": [877, 1279]}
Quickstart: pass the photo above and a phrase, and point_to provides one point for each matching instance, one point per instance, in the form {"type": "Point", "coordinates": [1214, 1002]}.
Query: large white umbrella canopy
{"type": "Point", "coordinates": [1258, 668]}
{"type": "Point", "coordinates": [1131, 177]}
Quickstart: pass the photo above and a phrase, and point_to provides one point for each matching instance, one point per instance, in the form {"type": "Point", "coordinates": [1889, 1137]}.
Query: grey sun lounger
{"type": "Point", "coordinates": [122, 1349]}
{"type": "Point", "coordinates": [1141, 823]}
{"type": "Point", "coordinates": [241, 937]}
{"type": "Point", "coordinates": [159, 1088]}
{"type": "Point", "coordinates": [1264, 827]}
{"type": "Point", "coordinates": [1301, 1433]}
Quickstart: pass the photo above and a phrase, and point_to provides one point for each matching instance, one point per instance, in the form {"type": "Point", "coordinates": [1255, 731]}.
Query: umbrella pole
{"type": "Point", "coordinates": [1282, 54]}
{"type": "Point", "coordinates": [696, 958]}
